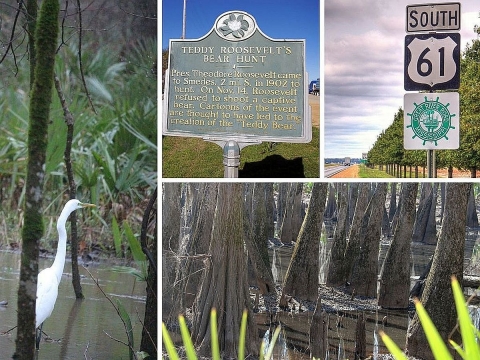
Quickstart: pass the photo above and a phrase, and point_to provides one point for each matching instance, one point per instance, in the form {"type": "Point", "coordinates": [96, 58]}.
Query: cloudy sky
{"type": "Point", "coordinates": [363, 69]}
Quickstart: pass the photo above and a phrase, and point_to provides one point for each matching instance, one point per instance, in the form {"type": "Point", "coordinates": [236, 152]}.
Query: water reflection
{"type": "Point", "coordinates": [77, 329]}
{"type": "Point", "coordinates": [341, 339]}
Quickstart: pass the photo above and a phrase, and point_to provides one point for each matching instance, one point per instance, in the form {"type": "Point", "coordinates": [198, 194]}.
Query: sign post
{"type": "Point", "coordinates": [432, 62]}
{"type": "Point", "coordinates": [237, 84]}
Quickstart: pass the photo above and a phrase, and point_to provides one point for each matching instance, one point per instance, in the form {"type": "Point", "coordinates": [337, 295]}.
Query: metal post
{"type": "Point", "coordinates": [431, 163]}
{"type": "Point", "coordinates": [231, 159]}
{"type": "Point", "coordinates": [184, 24]}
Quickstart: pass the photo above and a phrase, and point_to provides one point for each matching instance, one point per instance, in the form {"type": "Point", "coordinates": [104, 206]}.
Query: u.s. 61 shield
{"type": "Point", "coordinates": [431, 121]}
{"type": "Point", "coordinates": [432, 62]}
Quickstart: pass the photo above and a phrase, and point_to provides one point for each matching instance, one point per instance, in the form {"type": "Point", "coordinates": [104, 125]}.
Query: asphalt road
{"type": "Point", "coordinates": [332, 170]}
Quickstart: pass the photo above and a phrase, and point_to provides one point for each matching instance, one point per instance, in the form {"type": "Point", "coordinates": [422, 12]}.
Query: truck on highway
{"type": "Point", "coordinates": [347, 162]}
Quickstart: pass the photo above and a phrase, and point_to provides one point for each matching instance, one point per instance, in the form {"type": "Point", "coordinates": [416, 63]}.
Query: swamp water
{"type": "Point", "coordinates": [341, 334]}
{"type": "Point", "coordinates": [79, 329]}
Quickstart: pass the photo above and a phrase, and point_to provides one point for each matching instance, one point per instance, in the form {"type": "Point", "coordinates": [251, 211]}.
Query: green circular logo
{"type": "Point", "coordinates": [431, 121]}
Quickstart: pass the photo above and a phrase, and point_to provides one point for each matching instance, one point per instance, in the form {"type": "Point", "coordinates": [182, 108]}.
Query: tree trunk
{"type": "Point", "coordinates": [354, 241]}
{"type": "Point", "coordinates": [203, 201]}
{"type": "Point", "coordinates": [301, 279]}
{"type": "Point", "coordinates": [365, 271]}
{"type": "Point", "coordinates": [292, 218]}
{"type": "Point", "coordinates": [437, 298]}
{"type": "Point", "coordinates": [425, 225]}
{"type": "Point", "coordinates": [270, 206]}
{"type": "Point", "coordinates": [392, 209]}
{"type": "Point", "coordinates": [72, 190]}
{"type": "Point", "coordinates": [149, 330]}
{"type": "Point", "coordinates": [331, 208]}
{"type": "Point", "coordinates": [360, 338]}
{"type": "Point", "coordinates": [256, 238]}
{"type": "Point", "coordinates": [281, 203]}
{"type": "Point", "coordinates": [171, 212]}
{"type": "Point", "coordinates": [224, 286]}
{"type": "Point", "coordinates": [395, 274]}
{"type": "Point", "coordinates": [472, 218]}
{"type": "Point", "coordinates": [318, 334]}
{"type": "Point", "coordinates": [336, 270]}
{"type": "Point", "coordinates": [46, 34]}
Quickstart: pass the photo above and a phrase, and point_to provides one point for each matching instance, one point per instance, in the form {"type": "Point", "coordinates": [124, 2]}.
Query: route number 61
{"type": "Point", "coordinates": [432, 62]}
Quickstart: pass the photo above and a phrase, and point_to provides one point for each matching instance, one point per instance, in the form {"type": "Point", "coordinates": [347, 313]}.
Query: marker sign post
{"type": "Point", "coordinates": [432, 62]}
{"type": "Point", "coordinates": [236, 85]}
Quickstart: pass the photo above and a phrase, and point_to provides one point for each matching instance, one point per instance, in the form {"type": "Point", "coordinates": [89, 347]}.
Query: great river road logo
{"type": "Point", "coordinates": [431, 120]}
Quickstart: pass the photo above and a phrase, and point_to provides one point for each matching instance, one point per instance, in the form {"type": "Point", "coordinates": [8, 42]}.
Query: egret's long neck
{"type": "Point", "coordinates": [59, 262]}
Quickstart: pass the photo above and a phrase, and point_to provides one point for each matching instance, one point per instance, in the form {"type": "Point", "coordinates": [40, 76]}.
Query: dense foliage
{"type": "Point", "coordinates": [114, 151]}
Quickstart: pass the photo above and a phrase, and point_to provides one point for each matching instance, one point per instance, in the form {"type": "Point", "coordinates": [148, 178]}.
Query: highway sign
{"type": "Point", "coordinates": [432, 62]}
{"type": "Point", "coordinates": [431, 121]}
{"type": "Point", "coordinates": [433, 17]}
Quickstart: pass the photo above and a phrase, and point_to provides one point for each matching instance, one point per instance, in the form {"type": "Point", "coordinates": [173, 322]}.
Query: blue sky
{"type": "Point", "coordinates": [279, 19]}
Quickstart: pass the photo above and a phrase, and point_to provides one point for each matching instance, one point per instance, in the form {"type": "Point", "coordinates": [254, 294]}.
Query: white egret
{"type": "Point", "coordinates": [49, 278]}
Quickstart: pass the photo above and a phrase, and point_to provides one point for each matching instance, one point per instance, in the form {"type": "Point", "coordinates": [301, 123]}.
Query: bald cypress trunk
{"type": "Point", "coordinates": [437, 298]}
{"type": "Point", "coordinates": [395, 274]}
{"type": "Point", "coordinates": [301, 278]}
{"type": "Point", "coordinates": [365, 269]}
{"type": "Point", "coordinates": [46, 34]}
{"type": "Point", "coordinates": [224, 286]}
{"type": "Point", "coordinates": [337, 267]}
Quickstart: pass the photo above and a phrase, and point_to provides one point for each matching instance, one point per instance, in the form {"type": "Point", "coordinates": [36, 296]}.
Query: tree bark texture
{"type": "Point", "coordinates": [331, 209]}
{"type": "Point", "coordinates": [46, 34]}
{"type": "Point", "coordinates": [354, 241]}
{"type": "Point", "coordinates": [72, 190]}
{"type": "Point", "coordinates": [301, 279]}
{"type": "Point", "coordinates": [472, 218]}
{"type": "Point", "coordinates": [149, 330]}
{"type": "Point", "coordinates": [203, 201]}
{"type": "Point", "coordinates": [395, 273]}
{"type": "Point", "coordinates": [292, 216]}
{"type": "Point", "coordinates": [336, 270]}
{"type": "Point", "coordinates": [171, 212]}
{"type": "Point", "coordinates": [318, 334]}
{"type": "Point", "coordinates": [365, 270]}
{"type": "Point", "coordinates": [437, 297]}
{"type": "Point", "coordinates": [425, 225]}
{"type": "Point", "coordinates": [360, 338]}
{"type": "Point", "coordinates": [224, 286]}
{"type": "Point", "coordinates": [256, 238]}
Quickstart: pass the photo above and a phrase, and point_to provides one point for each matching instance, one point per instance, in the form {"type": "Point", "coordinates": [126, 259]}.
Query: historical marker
{"type": "Point", "coordinates": [431, 121]}
{"type": "Point", "coordinates": [236, 83]}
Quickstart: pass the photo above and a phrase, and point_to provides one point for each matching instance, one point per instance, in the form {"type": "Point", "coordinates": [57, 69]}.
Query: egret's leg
{"type": "Point", "coordinates": [38, 336]}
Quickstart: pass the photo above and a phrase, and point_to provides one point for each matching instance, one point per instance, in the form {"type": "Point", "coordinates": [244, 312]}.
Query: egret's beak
{"type": "Point", "coordinates": [84, 205]}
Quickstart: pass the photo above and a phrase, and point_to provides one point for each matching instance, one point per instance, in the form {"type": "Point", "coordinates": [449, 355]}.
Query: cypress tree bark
{"type": "Point", "coordinates": [337, 267]}
{"type": "Point", "coordinates": [395, 273]}
{"type": "Point", "coordinates": [224, 286]}
{"type": "Point", "coordinates": [365, 270]}
{"type": "Point", "coordinates": [46, 35]}
{"type": "Point", "coordinates": [301, 278]}
{"type": "Point", "coordinates": [437, 298]}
